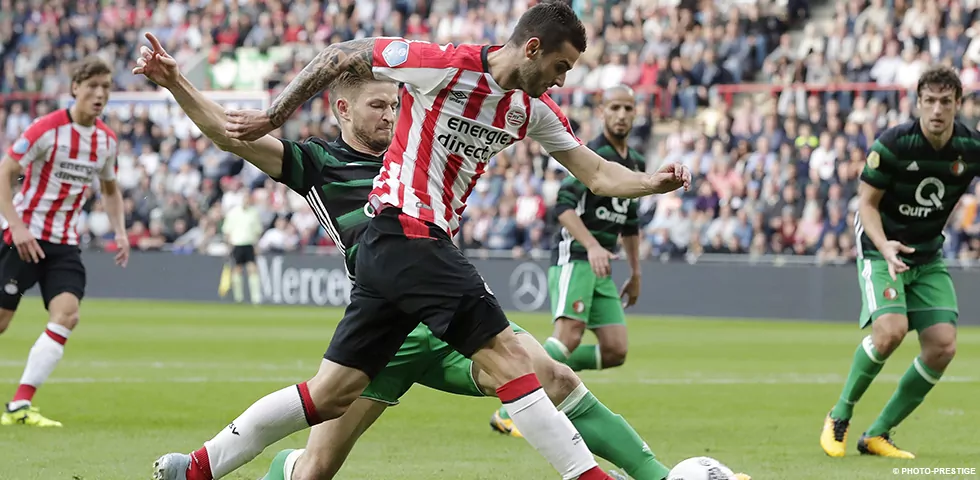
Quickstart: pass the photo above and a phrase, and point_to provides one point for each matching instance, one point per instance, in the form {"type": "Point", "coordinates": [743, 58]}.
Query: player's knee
{"type": "Point", "coordinates": [887, 333]}
{"type": "Point", "coordinates": [613, 356]}
{"type": "Point", "coordinates": [569, 332]}
{"type": "Point", "coordinates": [939, 354]}
{"type": "Point", "coordinates": [65, 318]}
{"type": "Point", "coordinates": [334, 388]}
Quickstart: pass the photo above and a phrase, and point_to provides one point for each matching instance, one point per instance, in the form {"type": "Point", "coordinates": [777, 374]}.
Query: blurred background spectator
{"type": "Point", "coordinates": [772, 103]}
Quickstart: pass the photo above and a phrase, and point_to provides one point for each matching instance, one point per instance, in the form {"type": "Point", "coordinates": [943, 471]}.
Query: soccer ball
{"type": "Point", "coordinates": [701, 468]}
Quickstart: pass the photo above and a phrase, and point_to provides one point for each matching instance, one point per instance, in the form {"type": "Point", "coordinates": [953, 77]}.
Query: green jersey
{"type": "Point", "coordinates": [335, 180]}
{"type": "Point", "coordinates": [606, 217]}
{"type": "Point", "coordinates": [922, 186]}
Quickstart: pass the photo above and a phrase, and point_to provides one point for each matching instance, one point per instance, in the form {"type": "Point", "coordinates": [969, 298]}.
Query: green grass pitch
{"type": "Point", "coordinates": [140, 379]}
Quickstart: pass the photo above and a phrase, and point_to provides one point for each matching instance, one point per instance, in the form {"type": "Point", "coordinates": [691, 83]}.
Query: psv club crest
{"type": "Point", "coordinates": [516, 117]}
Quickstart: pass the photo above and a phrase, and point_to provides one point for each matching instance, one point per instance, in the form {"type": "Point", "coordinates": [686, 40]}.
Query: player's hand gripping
{"type": "Point", "coordinates": [670, 177]}
{"type": "Point", "coordinates": [631, 290]}
{"type": "Point", "coordinates": [891, 250]}
{"type": "Point", "coordinates": [27, 246]}
{"type": "Point", "coordinates": [156, 64]}
{"type": "Point", "coordinates": [122, 256]}
{"type": "Point", "coordinates": [599, 260]}
{"type": "Point", "coordinates": [247, 125]}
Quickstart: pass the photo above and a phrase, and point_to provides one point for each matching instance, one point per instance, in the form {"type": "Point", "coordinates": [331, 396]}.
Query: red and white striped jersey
{"type": "Point", "coordinates": [60, 160]}
{"type": "Point", "coordinates": [454, 118]}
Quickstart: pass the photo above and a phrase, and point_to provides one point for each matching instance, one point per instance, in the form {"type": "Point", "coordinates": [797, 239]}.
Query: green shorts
{"type": "Point", "coordinates": [924, 293]}
{"type": "Point", "coordinates": [426, 360]}
{"type": "Point", "coordinates": [578, 294]}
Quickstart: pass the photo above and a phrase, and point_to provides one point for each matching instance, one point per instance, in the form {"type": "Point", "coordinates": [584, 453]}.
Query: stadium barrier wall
{"type": "Point", "coordinates": [702, 289]}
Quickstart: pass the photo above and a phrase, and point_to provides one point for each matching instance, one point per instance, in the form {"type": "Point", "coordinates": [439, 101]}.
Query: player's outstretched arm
{"type": "Point", "coordinates": [610, 179]}
{"type": "Point", "coordinates": [354, 57]}
{"type": "Point", "coordinates": [158, 66]}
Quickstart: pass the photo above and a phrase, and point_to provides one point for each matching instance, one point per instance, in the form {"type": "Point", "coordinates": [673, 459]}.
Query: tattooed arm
{"type": "Point", "coordinates": [354, 57]}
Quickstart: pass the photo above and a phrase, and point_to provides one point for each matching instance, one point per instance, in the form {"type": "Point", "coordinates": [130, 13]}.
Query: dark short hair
{"type": "Point", "coordinates": [88, 67]}
{"type": "Point", "coordinates": [553, 23]}
{"type": "Point", "coordinates": [941, 78]}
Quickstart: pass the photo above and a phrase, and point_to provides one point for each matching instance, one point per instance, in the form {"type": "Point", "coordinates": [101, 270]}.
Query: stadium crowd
{"type": "Point", "coordinates": [774, 173]}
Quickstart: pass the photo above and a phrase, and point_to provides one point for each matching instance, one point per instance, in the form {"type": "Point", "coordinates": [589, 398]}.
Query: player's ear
{"type": "Point", "coordinates": [343, 108]}
{"type": "Point", "coordinates": [74, 87]}
{"type": "Point", "coordinates": [532, 47]}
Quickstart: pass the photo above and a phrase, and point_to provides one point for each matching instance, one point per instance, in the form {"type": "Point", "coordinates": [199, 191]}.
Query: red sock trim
{"type": "Point", "coordinates": [55, 336]}
{"type": "Point", "coordinates": [200, 467]}
{"type": "Point", "coordinates": [309, 408]}
{"type": "Point", "coordinates": [595, 473]}
{"type": "Point", "coordinates": [24, 392]}
{"type": "Point", "coordinates": [413, 227]}
{"type": "Point", "coordinates": [518, 388]}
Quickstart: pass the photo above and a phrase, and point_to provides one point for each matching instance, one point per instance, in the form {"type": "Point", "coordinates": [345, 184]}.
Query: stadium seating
{"type": "Point", "coordinates": [771, 103]}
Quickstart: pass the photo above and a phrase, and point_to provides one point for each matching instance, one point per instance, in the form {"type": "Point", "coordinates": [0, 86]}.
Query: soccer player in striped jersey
{"type": "Point", "coordinates": [60, 156]}
{"type": "Point", "coordinates": [336, 178]}
{"type": "Point", "coordinates": [583, 294]}
{"type": "Point", "coordinates": [462, 105]}
{"type": "Point", "coordinates": [915, 174]}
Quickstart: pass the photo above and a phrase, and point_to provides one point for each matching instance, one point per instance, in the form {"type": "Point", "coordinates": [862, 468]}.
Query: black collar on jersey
{"type": "Point", "coordinates": [602, 140]}
{"type": "Point", "coordinates": [340, 143]}
{"type": "Point", "coordinates": [68, 112]}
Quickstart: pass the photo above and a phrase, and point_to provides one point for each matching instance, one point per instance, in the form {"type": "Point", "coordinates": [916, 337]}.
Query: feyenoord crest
{"type": "Point", "coordinates": [891, 293]}
{"type": "Point", "coordinates": [578, 306]}
{"type": "Point", "coordinates": [958, 167]}
{"type": "Point", "coordinates": [516, 117]}
{"type": "Point", "coordinates": [873, 160]}
{"type": "Point", "coordinates": [11, 288]}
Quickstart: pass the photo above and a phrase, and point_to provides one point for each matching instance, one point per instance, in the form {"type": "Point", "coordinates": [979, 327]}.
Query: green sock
{"type": "Point", "coordinates": [276, 468]}
{"type": "Point", "coordinates": [912, 389]}
{"type": "Point", "coordinates": [867, 363]}
{"type": "Point", "coordinates": [609, 436]}
{"type": "Point", "coordinates": [585, 357]}
{"type": "Point", "coordinates": [556, 349]}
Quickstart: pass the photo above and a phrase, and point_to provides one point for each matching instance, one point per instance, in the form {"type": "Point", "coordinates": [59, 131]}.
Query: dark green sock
{"type": "Point", "coordinates": [585, 357]}
{"type": "Point", "coordinates": [912, 389]}
{"type": "Point", "coordinates": [867, 363]}
{"type": "Point", "coordinates": [276, 468]}
{"type": "Point", "coordinates": [610, 437]}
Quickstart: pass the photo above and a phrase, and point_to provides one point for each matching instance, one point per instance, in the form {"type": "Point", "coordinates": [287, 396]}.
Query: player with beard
{"type": "Point", "coordinates": [365, 111]}
{"type": "Point", "coordinates": [462, 105]}
{"type": "Point", "coordinates": [583, 294]}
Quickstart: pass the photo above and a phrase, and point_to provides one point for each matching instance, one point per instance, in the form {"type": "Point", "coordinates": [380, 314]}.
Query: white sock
{"type": "Point", "coordinates": [287, 467]}
{"type": "Point", "coordinates": [255, 288]}
{"type": "Point", "coordinates": [545, 428]}
{"type": "Point", "coordinates": [43, 358]}
{"type": "Point", "coordinates": [237, 289]}
{"type": "Point", "coordinates": [272, 418]}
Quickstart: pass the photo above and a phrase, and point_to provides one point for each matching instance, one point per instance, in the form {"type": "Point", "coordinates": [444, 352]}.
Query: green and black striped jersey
{"type": "Point", "coordinates": [922, 186]}
{"type": "Point", "coordinates": [606, 217]}
{"type": "Point", "coordinates": [335, 180]}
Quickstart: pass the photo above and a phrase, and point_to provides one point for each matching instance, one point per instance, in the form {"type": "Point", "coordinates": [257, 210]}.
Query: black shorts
{"type": "Point", "coordinates": [242, 254]}
{"type": "Point", "coordinates": [410, 272]}
{"type": "Point", "coordinates": [61, 271]}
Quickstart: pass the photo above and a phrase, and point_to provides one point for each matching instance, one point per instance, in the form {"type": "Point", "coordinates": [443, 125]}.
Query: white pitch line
{"type": "Point", "coordinates": [808, 379]}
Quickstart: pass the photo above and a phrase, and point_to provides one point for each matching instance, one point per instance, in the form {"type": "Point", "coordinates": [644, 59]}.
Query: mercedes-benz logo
{"type": "Point", "coordinates": [528, 287]}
